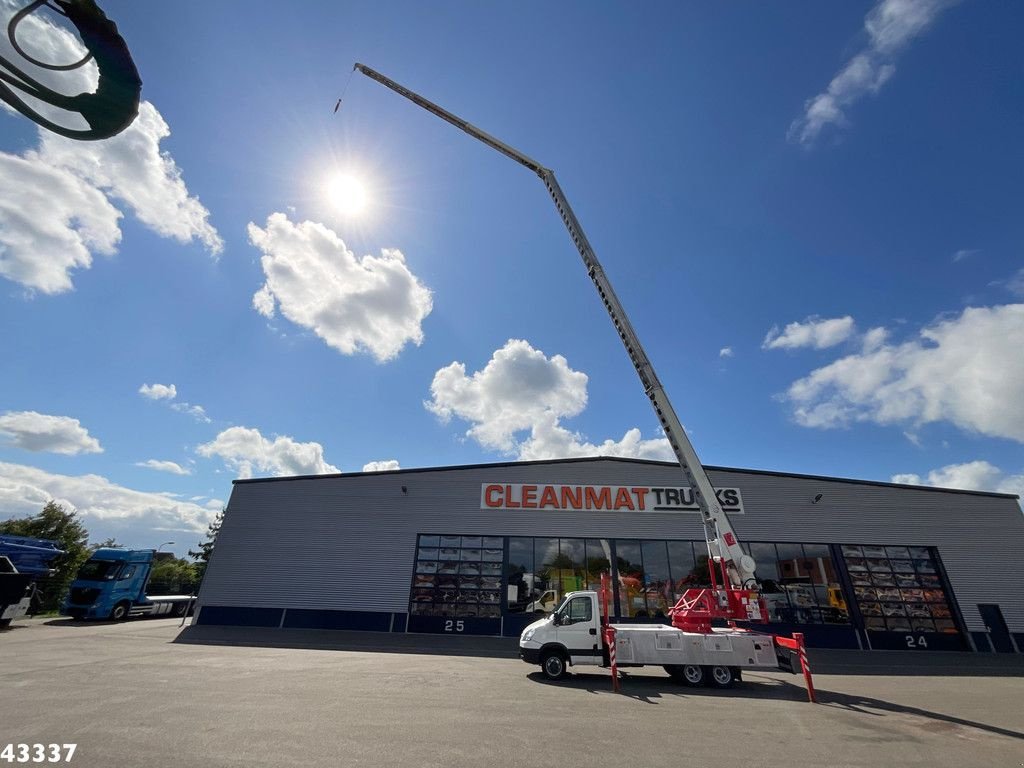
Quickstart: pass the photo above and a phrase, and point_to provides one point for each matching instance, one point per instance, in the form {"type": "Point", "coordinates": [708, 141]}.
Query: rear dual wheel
{"type": "Point", "coordinates": [687, 674]}
{"type": "Point", "coordinates": [722, 677]}
{"type": "Point", "coordinates": [695, 675]}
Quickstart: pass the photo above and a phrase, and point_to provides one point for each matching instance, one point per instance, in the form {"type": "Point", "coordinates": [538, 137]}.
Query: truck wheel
{"type": "Point", "coordinates": [686, 674]}
{"type": "Point", "coordinates": [180, 608]}
{"type": "Point", "coordinates": [553, 665]}
{"type": "Point", "coordinates": [693, 674]}
{"type": "Point", "coordinates": [722, 677]}
{"type": "Point", "coordinates": [120, 612]}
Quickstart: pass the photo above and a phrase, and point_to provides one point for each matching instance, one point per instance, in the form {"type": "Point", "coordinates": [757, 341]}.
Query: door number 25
{"type": "Point", "coordinates": [453, 626]}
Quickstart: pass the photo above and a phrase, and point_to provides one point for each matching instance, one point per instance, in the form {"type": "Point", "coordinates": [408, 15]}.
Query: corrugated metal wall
{"type": "Point", "coordinates": [348, 542]}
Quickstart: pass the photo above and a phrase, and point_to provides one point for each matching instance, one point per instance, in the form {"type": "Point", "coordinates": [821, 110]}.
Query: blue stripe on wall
{"type": "Point", "coordinates": [303, 618]}
{"type": "Point", "coordinates": [233, 616]}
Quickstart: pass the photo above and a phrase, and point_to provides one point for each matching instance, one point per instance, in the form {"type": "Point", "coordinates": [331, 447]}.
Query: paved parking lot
{"type": "Point", "coordinates": [133, 694]}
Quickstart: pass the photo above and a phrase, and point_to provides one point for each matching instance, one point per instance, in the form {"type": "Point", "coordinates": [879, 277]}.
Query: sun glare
{"type": "Point", "coordinates": [347, 194]}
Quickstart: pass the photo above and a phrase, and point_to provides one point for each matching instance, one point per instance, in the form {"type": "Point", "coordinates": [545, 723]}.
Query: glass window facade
{"type": "Point", "coordinates": [540, 571]}
{"type": "Point", "coordinates": [898, 589]}
{"type": "Point", "coordinates": [800, 583]}
{"type": "Point", "coordinates": [894, 588]}
{"type": "Point", "coordinates": [457, 576]}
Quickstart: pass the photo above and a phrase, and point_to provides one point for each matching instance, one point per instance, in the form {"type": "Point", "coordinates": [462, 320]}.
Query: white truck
{"type": "Point", "coordinates": [573, 634]}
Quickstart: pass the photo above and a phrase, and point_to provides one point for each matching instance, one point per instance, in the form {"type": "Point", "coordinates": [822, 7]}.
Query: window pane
{"type": "Point", "coordinates": [544, 593]}
{"type": "Point", "coordinates": [657, 584]}
{"type": "Point", "coordinates": [580, 609]}
{"type": "Point", "coordinates": [572, 574]}
{"type": "Point", "coordinates": [599, 554]}
{"type": "Point", "coordinates": [772, 590]}
{"type": "Point", "coordinates": [681, 564]}
{"type": "Point", "coordinates": [828, 593]}
{"type": "Point", "coordinates": [629, 565]}
{"type": "Point", "coordinates": [520, 569]}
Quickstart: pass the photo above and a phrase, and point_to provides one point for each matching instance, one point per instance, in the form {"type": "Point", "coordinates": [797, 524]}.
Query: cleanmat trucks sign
{"type": "Point", "coordinates": [610, 498]}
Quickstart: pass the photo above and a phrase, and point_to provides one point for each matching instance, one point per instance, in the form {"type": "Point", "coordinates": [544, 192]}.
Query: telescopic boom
{"type": "Point", "coordinates": [718, 530]}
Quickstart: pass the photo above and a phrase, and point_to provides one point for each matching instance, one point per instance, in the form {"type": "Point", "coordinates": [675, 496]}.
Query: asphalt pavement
{"type": "Point", "coordinates": [145, 693]}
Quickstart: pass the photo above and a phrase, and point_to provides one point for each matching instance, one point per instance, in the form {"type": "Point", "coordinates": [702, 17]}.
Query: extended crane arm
{"type": "Point", "coordinates": [718, 529]}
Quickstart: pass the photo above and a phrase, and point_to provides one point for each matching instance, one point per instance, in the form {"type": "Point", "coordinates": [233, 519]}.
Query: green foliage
{"type": "Point", "coordinates": [105, 544]}
{"type": "Point", "coordinates": [56, 523]}
{"type": "Point", "coordinates": [173, 576]}
{"type": "Point", "coordinates": [202, 555]}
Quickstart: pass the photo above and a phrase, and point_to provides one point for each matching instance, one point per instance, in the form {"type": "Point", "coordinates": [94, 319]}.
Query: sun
{"type": "Point", "coordinates": [347, 194]}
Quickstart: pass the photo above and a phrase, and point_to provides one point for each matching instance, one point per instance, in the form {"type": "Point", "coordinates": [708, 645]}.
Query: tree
{"type": "Point", "coordinates": [57, 524]}
{"type": "Point", "coordinates": [105, 544]}
{"type": "Point", "coordinates": [173, 576]}
{"type": "Point", "coordinates": [202, 555]}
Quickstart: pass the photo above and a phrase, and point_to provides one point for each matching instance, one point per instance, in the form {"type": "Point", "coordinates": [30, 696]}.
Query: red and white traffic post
{"type": "Point", "coordinates": [608, 631]}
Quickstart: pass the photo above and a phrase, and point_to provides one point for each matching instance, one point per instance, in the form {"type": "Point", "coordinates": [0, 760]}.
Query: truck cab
{"type": "Point", "coordinates": [571, 634]}
{"type": "Point", "coordinates": [112, 585]}
{"type": "Point", "coordinates": [108, 584]}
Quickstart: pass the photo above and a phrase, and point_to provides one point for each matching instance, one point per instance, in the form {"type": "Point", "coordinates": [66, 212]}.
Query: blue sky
{"type": "Point", "coordinates": [810, 211]}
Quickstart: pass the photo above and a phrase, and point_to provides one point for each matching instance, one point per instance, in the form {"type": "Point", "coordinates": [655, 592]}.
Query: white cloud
{"type": "Point", "coordinates": [159, 391]}
{"type": "Point", "coordinates": [131, 168]}
{"type": "Point", "coordinates": [381, 466]}
{"type": "Point", "coordinates": [965, 253]}
{"type": "Point", "coordinates": [51, 222]}
{"type": "Point", "coordinates": [967, 370]}
{"type": "Point", "coordinates": [164, 466]}
{"type": "Point", "coordinates": [1015, 284]}
{"type": "Point", "coordinates": [169, 392]}
{"type": "Point", "coordinates": [245, 450]}
{"type": "Point", "coordinates": [550, 440]}
{"type": "Point", "coordinates": [195, 411]}
{"type": "Point", "coordinates": [813, 332]}
{"type": "Point", "coordinates": [913, 437]}
{"type": "Point", "coordinates": [874, 339]}
{"type": "Point", "coordinates": [725, 352]}
{"type": "Point", "coordinates": [24, 490]}
{"type": "Point", "coordinates": [518, 388]}
{"type": "Point", "coordinates": [56, 207]}
{"type": "Point", "coordinates": [521, 390]}
{"type": "Point", "coordinates": [56, 210]}
{"type": "Point", "coordinates": [373, 303]}
{"type": "Point", "coordinates": [890, 26]}
{"type": "Point", "coordinates": [969, 476]}
{"type": "Point", "coordinates": [33, 431]}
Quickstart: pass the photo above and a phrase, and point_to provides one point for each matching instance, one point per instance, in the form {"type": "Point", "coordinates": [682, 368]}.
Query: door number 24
{"type": "Point", "coordinates": [917, 642]}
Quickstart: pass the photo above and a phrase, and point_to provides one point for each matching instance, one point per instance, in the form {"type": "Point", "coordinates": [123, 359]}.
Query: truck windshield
{"type": "Point", "coordinates": [98, 570]}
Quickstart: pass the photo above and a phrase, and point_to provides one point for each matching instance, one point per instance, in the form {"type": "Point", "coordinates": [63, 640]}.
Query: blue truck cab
{"type": "Point", "coordinates": [112, 585]}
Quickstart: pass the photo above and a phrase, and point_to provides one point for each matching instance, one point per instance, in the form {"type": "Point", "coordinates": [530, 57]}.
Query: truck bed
{"type": "Point", "coordinates": [664, 645]}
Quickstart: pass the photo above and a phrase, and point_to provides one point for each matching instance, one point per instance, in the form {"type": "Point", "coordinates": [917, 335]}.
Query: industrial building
{"type": "Point", "coordinates": [483, 549]}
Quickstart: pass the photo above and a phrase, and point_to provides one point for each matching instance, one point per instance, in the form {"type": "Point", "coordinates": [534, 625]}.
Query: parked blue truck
{"type": "Point", "coordinates": [112, 585]}
{"type": "Point", "coordinates": [23, 560]}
